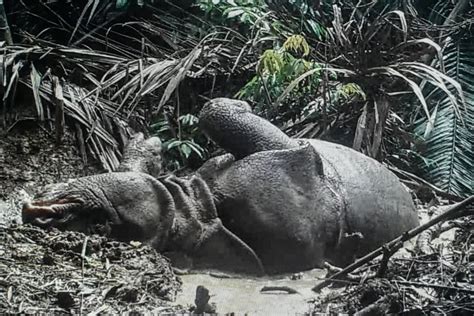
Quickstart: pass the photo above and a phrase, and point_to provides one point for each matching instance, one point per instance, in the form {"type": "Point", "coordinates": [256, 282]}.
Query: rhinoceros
{"type": "Point", "coordinates": [272, 204]}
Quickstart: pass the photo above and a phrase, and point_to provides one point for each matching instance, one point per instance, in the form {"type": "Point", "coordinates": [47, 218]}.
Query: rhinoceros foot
{"type": "Point", "coordinates": [233, 127]}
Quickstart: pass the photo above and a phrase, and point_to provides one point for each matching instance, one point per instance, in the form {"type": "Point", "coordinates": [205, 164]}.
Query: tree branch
{"type": "Point", "coordinates": [456, 210]}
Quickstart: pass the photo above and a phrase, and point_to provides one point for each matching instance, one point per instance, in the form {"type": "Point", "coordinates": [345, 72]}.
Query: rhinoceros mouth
{"type": "Point", "coordinates": [47, 212]}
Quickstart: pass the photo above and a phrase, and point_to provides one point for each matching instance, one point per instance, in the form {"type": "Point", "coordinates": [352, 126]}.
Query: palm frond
{"type": "Point", "coordinates": [449, 155]}
{"type": "Point", "coordinates": [114, 78]}
{"type": "Point", "coordinates": [90, 112]}
{"type": "Point", "coordinates": [380, 51]}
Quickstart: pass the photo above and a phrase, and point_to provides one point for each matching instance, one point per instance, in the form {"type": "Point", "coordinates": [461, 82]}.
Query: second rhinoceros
{"type": "Point", "coordinates": [273, 204]}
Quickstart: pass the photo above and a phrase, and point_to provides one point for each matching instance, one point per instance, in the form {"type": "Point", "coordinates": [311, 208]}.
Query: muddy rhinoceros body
{"type": "Point", "coordinates": [298, 202]}
{"type": "Point", "coordinates": [318, 202]}
{"type": "Point", "coordinates": [274, 203]}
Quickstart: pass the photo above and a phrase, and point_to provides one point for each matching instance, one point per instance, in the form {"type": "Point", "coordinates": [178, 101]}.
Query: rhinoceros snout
{"type": "Point", "coordinates": [45, 212]}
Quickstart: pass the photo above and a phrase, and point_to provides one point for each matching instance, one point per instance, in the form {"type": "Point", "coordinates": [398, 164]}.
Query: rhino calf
{"type": "Point", "coordinates": [273, 204]}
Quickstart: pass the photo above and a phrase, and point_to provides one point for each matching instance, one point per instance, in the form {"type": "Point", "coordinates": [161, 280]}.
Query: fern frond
{"type": "Point", "coordinates": [449, 157]}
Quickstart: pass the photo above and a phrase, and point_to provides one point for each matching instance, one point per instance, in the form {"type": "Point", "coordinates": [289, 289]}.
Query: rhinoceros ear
{"type": "Point", "coordinates": [219, 248]}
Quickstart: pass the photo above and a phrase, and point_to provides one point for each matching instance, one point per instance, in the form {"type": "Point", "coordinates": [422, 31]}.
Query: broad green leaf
{"type": "Point", "coordinates": [232, 13]}
{"type": "Point", "coordinates": [120, 4]}
{"type": "Point", "coordinates": [186, 150]}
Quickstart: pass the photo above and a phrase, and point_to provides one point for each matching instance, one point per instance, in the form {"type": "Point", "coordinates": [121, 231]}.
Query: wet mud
{"type": "Point", "coordinates": [243, 296]}
{"type": "Point", "coordinates": [44, 271]}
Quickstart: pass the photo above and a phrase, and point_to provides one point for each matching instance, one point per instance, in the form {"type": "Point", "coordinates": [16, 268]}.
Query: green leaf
{"type": "Point", "coordinates": [197, 149]}
{"type": "Point", "coordinates": [186, 150]}
{"type": "Point", "coordinates": [234, 12]}
{"type": "Point", "coordinates": [449, 158]}
{"type": "Point", "coordinates": [120, 4]}
{"type": "Point", "coordinates": [171, 144]}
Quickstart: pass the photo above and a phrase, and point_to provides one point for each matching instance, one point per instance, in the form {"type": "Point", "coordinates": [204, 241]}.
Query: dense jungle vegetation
{"type": "Point", "coordinates": [392, 79]}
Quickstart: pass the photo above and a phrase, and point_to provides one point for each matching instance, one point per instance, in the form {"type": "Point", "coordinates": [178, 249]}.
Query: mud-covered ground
{"type": "Point", "coordinates": [29, 158]}
{"type": "Point", "coordinates": [439, 281]}
{"type": "Point", "coordinates": [53, 271]}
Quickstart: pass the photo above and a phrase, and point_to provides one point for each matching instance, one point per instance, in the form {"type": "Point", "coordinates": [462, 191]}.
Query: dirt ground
{"type": "Point", "coordinates": [52, 271]}
{"type": "Point", "coordinates": [29, 158]}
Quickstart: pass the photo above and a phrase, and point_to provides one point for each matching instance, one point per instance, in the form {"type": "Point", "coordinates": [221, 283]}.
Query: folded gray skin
{"type": "Point", "coordinates": [272, 204]}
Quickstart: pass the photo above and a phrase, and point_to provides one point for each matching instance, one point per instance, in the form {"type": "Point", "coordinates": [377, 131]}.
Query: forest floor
{"type": "Point", "coordinates": [53, 271]}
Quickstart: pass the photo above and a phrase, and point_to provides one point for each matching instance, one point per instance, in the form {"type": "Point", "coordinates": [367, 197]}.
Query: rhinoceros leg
{"type": "Point", "coordinates": [234, 128]}
{"type": "Point", "coordinates": [282, 206]}
{"type": "Point", "coordinates": [198, 232]}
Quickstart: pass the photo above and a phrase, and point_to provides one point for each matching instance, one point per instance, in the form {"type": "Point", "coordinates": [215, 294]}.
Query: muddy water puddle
{"type": "Point", "coordinates": [242, 295]}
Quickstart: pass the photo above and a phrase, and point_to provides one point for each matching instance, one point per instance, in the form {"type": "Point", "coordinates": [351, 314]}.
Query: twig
{"type": "Point", "coordinates": [219, 275]}
{"type": "Point", "coordinates": [286, 289]}
{"type": "Point", "coordinates": [422, 183]}
{"type": "Point", "coordinates": [83, 258]}
{"type": "Point", "coordinates": [350, 277]}
{"type": "Point", "coordinates": [397, 243]}
{"type": "Point", "coordinates": [436, 286]}
{"type": "Point", "coordinates": [59, 115]}
{"type": "Point", "coordinates": [379, 307]}
{"type": "Point", "coordinates": [331, 268]}
{"type": "Point", "coordinates": [343, 281]}
{"type": "Point", "coordinates": [83, 254]}
{"type": "Point", "coordinates": [387, 253]}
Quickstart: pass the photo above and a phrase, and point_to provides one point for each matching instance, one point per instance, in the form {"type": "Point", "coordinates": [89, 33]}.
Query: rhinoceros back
{"type": "Point", "coordinates": [376, 203]}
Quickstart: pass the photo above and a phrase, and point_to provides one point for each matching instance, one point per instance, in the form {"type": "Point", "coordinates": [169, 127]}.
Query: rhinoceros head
{"type": "Point", "coordinates": [175, 216]}
{"type": "Point", "coordinates": [122, 205]}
